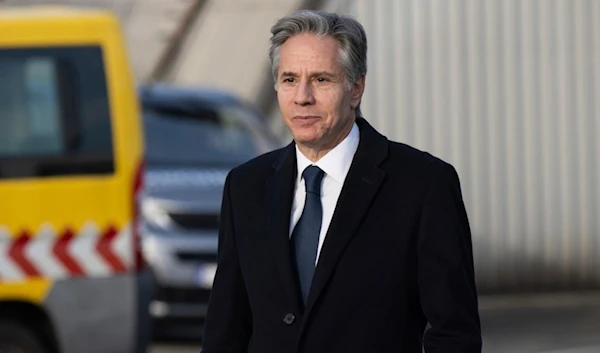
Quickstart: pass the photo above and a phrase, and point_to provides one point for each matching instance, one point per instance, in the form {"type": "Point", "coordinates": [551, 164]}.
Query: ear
{"type": "Point", "coordinates": [358, 88]}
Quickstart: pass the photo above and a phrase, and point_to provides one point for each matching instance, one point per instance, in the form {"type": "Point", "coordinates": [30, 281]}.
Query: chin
{"type": "Point", "coordinates": [306, 134]}
{"type": "Point", "coordinates": [305, 138]}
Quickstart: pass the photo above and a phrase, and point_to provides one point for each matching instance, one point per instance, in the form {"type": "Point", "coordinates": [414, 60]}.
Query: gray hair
{"type": "Point", "coordinates": [349, 33]}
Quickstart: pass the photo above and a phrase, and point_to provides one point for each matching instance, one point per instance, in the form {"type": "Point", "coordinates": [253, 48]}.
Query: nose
{"type": "Point", "coordinates": [304, 94]}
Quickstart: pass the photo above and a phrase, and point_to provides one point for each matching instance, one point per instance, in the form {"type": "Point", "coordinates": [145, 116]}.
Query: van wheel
{"type": "Point", "coordinates": [16, 338]}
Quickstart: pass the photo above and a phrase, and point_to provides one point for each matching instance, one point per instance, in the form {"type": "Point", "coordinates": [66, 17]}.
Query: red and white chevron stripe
{"type": "Point", "coordinates": [46, 253]}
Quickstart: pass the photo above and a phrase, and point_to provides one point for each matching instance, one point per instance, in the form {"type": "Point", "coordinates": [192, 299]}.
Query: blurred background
{"type": "Point", "coordinates": [508, 91]}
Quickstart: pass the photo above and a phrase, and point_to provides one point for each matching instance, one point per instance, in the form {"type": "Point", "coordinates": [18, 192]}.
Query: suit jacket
{"type": "Point", "coordinates": [397, 255]}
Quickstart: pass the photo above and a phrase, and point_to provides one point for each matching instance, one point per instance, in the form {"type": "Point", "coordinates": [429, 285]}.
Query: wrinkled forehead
{"type": "Point", "coordinates": [309, 52]}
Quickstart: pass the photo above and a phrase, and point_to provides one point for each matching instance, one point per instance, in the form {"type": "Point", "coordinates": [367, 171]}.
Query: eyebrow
{"type": "Point", "coordinates": [314, 74]}
{"type": "Point", "coordinates": [289, 74]}
{"type": "Point", "coordinates": [324, 73]}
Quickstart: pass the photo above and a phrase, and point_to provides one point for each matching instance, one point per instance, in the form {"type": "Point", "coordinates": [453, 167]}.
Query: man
{"type": "Point", "coordinates": [342, 241]}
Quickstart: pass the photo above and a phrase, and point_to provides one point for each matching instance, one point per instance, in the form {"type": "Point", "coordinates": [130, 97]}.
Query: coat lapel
{"type": "Point", "coordinates": [279, 196]}
{"type": "Point", "coordinates": [360, 187]}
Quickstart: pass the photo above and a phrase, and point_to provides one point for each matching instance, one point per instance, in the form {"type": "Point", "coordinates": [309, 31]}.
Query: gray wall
{"type": "Point", "coordinates": [508, 91]}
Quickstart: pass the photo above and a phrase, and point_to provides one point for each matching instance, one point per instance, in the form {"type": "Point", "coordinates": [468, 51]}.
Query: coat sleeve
{"type": "Point", "coordinates": [445, 275]}
{"type": "Point", "coordinates": [228, 323]}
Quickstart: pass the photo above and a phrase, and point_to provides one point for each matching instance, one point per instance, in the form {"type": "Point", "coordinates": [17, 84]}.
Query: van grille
{"type": "Point", "coordinates": [182, 295]}
{"type": "Point", "coordinates": [195, 221]}
{"type": "Point", "coordinates": [197, 257]}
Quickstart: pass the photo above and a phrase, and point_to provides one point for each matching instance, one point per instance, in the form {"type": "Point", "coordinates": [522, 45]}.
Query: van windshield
{"type": "Point", "coordinates": [204, 137]}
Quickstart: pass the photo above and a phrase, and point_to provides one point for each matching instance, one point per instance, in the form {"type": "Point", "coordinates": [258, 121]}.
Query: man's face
{"type": "Point", "coordinates": [316, 102]}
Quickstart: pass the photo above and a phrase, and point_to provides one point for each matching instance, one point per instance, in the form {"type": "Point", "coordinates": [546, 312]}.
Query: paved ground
{"type": "Point", "coordinates": [564, 323]}
{"type": "Point", "coordinates": [175, 348]}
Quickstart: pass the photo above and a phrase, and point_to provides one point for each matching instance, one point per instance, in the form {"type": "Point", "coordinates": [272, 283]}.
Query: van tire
{"type": "Point", "coordinates": [15, 337]}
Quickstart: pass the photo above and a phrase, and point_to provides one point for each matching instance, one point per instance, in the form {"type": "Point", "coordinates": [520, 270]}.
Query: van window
{"type": "Point", "coordinates": [54, 113]}
{"type": "Point", "coordinates": [202, 137]}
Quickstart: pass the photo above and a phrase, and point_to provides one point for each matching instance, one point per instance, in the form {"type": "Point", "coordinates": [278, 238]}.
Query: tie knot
{"type": "Point", "coordinates": [312, 179]}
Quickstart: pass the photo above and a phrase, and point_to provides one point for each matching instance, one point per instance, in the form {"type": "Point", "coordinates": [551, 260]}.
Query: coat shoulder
{"type": "Point", "coordinates": [418, 159]}
{"type": "Point", "coordinates": [421, 164]}
{"type": "Point", "coordinates": [258, 168]}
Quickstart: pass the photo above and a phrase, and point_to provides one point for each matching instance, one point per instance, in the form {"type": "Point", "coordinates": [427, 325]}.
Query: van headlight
{"type": "Point", "coordinates": [154, 215]}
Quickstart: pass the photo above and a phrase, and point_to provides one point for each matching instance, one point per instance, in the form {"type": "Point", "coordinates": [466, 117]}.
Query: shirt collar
{"type": "Point", "coordinates": [336, 163]}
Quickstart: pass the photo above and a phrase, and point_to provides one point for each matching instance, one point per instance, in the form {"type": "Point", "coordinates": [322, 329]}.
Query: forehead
{"type": "Point", "coordinates": [305, 51]}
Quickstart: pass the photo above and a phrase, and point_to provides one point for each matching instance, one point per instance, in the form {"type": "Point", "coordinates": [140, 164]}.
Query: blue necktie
{"type": "Point", "coordinates": [306, 233]}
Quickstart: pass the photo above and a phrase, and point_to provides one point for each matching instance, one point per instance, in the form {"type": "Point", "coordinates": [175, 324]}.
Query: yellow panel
{"type": "Point", "coordinates": [33, 291]}
{"type": "Point", "coordinates": [70, 202]}
{"type": "Point", "coordinates": [53, 27]}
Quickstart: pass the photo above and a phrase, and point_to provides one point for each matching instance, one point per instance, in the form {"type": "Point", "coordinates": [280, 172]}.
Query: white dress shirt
{"type": "Point", "coordinates": [335, 164]}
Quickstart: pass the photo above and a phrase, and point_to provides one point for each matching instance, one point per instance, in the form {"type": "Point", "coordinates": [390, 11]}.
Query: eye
{"type": "Point", "coordinates": [288, 80]}
{"type": "Point", "coordinates": [321, 79]}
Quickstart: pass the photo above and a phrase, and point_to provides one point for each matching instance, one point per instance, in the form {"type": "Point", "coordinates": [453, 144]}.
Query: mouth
{"type": "Point", "coordinates": [305, 119]}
